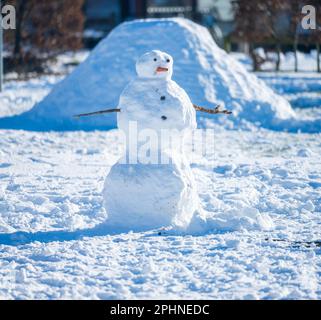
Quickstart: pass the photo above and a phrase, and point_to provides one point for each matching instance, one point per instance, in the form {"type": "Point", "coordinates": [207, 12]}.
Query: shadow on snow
{"type": "Point", "coordinates": [22, 237]}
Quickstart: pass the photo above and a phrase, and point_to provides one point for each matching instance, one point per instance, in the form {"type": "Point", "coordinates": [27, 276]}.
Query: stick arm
{"type": "Point", "coordinates": [96, 112]}
{"type": "Point", "coordinates": [216, 110]}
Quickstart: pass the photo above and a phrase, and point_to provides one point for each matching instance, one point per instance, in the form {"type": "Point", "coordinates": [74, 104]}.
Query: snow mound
{"type": "Point", "coordinates": [246, 218]}
{"type": "Point", "coordinates": [206, 72]}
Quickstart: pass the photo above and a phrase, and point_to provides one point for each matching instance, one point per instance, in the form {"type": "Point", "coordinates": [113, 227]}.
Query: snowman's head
{"type": "Point", "coordinates": [155, 65]}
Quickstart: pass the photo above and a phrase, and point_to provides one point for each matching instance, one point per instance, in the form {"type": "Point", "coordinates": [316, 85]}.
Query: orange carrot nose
{"type": "Point", "coordinates": [161, 69]}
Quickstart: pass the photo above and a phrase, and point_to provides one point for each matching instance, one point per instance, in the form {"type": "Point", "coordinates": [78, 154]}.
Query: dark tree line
{"type": "Point", "coordinates": [276, 23]}
{"type": "Point", "coordinates": [44, 28]}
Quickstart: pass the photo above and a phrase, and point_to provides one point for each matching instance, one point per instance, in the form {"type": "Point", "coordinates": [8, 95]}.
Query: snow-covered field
{"type": "Point", "coordinates": [55, 242]}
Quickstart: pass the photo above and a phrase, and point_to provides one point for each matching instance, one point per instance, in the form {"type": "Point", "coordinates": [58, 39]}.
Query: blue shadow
{"type": "Point", "coordinates": [21, 237]}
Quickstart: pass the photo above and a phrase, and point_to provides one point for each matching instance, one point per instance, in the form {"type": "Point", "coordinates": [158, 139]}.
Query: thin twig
{"type": "Point", "coordinates": [97, 112]}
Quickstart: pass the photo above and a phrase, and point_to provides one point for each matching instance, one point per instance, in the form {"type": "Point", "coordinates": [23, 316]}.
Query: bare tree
{"type": "Point", "coordinates": [250, 25]}
{"type": "Point", "coordinates": [315, 34]}
{"type": "Point", "coordinates": [308, 37]}
{"type": "Point", "coordinates": [295, 8]}
{"type": "Point", "coordinates": [44, 29]}
{"type": "Point", "coordinates": [262, 21]}
{"type": "Point", "coordinates": [275, 11]}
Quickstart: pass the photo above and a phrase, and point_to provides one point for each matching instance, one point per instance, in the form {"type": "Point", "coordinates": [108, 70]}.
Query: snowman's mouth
{"type": "Point", "coordinates": [161, 69]}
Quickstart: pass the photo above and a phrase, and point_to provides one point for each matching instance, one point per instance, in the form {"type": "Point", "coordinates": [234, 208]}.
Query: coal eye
{"type": "Point", "coordinates": [155, 59]}
{"type": "Point", "coordinates": [168, 60]}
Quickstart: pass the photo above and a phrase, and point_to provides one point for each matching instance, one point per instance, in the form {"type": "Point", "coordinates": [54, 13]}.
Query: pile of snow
{"type": "Point", "coordinates": [207, 73]}
{"type": "Point", "coordinates": [240, 218]}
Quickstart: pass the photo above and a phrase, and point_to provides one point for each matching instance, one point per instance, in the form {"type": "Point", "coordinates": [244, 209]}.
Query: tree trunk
{"type": "Point", "coordinates": [295, 51]}
{"type": "Point", "coordinates": [252, 54]}
{"type": "Point", "coordinates": [278, 60]}
{"type": "Point", "coordinates": [318, 57]}
{"type": "Point", "coordinates": [21, 7]}
{"type": "Point", "coordinates": [194, 10]}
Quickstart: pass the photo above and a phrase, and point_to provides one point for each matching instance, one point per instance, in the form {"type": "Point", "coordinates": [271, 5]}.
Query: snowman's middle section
{"type": "Point", "coordinates": [156, 104]}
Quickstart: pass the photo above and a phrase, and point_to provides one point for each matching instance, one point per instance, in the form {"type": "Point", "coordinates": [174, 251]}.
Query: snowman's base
{"type": "Point", "coordinates": [141, 196]}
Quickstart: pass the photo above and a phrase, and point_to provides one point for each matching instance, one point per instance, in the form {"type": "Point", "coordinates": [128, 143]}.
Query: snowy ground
{"type": "Point", "coordinates": [54, 244]}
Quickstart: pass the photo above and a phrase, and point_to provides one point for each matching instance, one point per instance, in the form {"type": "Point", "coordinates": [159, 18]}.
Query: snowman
{"type": "Point", "coordinates": [140, 194]}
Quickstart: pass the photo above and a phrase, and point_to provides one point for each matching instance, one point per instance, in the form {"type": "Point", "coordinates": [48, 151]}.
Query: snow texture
{"type": "Point", "coordinates": [55, 244]}
{"type": "Point", "coordinates": [207, 73]}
